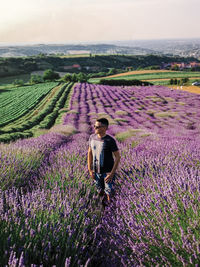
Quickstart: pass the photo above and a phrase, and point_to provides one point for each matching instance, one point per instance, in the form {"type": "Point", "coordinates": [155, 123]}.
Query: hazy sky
{"type": "Point", "coordinates": [63, 21]}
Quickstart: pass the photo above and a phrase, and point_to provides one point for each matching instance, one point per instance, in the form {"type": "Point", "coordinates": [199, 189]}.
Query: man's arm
{"type": "Point", "coordinates": [90, 159]}
{"type": "Point", "coordinates": [116, 163]}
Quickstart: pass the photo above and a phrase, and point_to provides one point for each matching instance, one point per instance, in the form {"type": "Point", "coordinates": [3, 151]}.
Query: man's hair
{"type": "Point", "coordinates": [103, 121]}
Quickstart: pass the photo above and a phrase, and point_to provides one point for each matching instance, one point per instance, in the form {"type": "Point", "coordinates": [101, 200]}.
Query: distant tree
{"type": "Point", "coordinates": [50, 75]}
{"type": "Point", "coordinates": [18, 82]}
{"type": "Point", "coordinates": [175, 81]}
{"type": "Point", "coordinates": [67, 77]}
{"type": "Point", "coordinates": [74, 77]}
{"type": "Point", "coordinates": [36, 79]}
{"type": "Point", "coordinates": [171, 81]}
{"type": "Point", "coordinates": [82, 77]}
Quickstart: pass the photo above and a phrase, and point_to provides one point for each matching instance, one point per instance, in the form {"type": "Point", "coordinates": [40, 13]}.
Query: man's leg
{"type": "Point", "coordinates": [99, 182]}
{"type": "Point", "coordinates": [109, 189]}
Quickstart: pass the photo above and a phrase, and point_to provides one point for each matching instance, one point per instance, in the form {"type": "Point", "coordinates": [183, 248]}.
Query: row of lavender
{"type": "Point", "coordinates": [156, 219]}
{"type": "Point", "coordinates": [49, 210]}
{"type": "Point", "coordinates": [149, 108]}
{"type": "Point", "coordinates": [47, 207]}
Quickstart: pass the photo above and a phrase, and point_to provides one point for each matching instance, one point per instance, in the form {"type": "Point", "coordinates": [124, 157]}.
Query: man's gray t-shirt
{"type": "Point", "coordinates": [102, 149]}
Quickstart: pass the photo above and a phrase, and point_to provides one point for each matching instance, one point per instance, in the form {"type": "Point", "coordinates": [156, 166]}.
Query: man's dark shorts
{"type": "Point", "coordinates": [102, 185]}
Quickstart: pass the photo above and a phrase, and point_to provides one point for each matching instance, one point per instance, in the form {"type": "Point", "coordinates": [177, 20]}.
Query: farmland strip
{"type": "Point", "coordinates": [45, 119]}
{"type": "Point", "coordinates": [22, 101]}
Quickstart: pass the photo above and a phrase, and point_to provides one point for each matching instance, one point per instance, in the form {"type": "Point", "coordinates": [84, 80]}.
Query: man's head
{"type": "Point", "coordinates": [101, 125]}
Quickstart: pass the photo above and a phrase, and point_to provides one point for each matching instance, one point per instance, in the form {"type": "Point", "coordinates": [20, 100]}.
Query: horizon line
{"type": "Point", "coordinates": [95, 42]}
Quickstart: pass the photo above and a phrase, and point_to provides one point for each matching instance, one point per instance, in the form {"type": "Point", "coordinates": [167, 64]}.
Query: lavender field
{"type": "Point", "coordinates": [50, 211]}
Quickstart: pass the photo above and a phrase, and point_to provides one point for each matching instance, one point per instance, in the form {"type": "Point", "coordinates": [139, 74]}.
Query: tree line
{"type": "Point", "coordinates": [179, 82]}
{"type": "Point", "coordinates": [94, 64]}
{"type": "Point", "coordinates": [50, 75]}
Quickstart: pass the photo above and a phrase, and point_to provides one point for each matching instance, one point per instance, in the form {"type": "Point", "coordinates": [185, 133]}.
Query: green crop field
{"type": "Point", "coordinates": [154, 77]}
{"type": "Point", "coordinates": [18, 101]}
{"type": "Point", "coordinates": [26, 109]}
{"type": "Point", "coordinates": [161, 75]}
{"type": "Point", "coordinates": [6, 82]}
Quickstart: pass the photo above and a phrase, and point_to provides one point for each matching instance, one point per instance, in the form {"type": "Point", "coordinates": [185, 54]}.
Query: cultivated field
{"type": "Point", "coordinates": [50, 211]}
{"type": "Point", "coordinates": [157, 77]}
{"type": "Point", "coordinates": [28, 108]}
{"type": "Point", "coordinates": [19, 100]}
{"type": "Point", "coordinates": [137, 72]}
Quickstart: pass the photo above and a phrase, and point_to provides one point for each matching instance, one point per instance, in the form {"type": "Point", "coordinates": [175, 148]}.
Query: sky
{"type": "Point", "coordinates": [68, 21]}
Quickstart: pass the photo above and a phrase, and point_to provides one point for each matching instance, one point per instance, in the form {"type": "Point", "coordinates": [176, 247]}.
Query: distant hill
{"type": "Point", "coordinates": [31, 50]}
{"type": "Point", "coordinates": [181, 47]}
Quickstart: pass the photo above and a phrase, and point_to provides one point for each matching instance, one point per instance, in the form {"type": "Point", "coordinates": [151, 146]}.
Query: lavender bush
{"type": "Point", "coordinates": [55, 219]}
{"type": "Point", "coordinates": [156, 214]}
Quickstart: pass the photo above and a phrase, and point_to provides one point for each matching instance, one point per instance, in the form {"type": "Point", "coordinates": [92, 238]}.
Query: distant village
{"type": "Point", "coordinates": [181, 66]}
{"type": "Point", "coordinates": [78, 67]}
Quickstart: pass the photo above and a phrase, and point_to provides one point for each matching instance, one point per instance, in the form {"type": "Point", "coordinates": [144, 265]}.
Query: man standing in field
{"type": "Point", "coordinates": [101, 163]}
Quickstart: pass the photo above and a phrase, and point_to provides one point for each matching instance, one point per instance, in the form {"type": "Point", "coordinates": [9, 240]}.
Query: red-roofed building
{"type": "Point", "coordinates": [194, 64]}
{"type": "Point", "coordinates": [183, 65]}
{"type": "Point", "coordinates": [74, 66]}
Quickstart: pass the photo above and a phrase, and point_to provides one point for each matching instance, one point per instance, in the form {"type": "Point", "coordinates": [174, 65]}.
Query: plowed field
{"type": "Point", "coordinates": [191, 89]}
